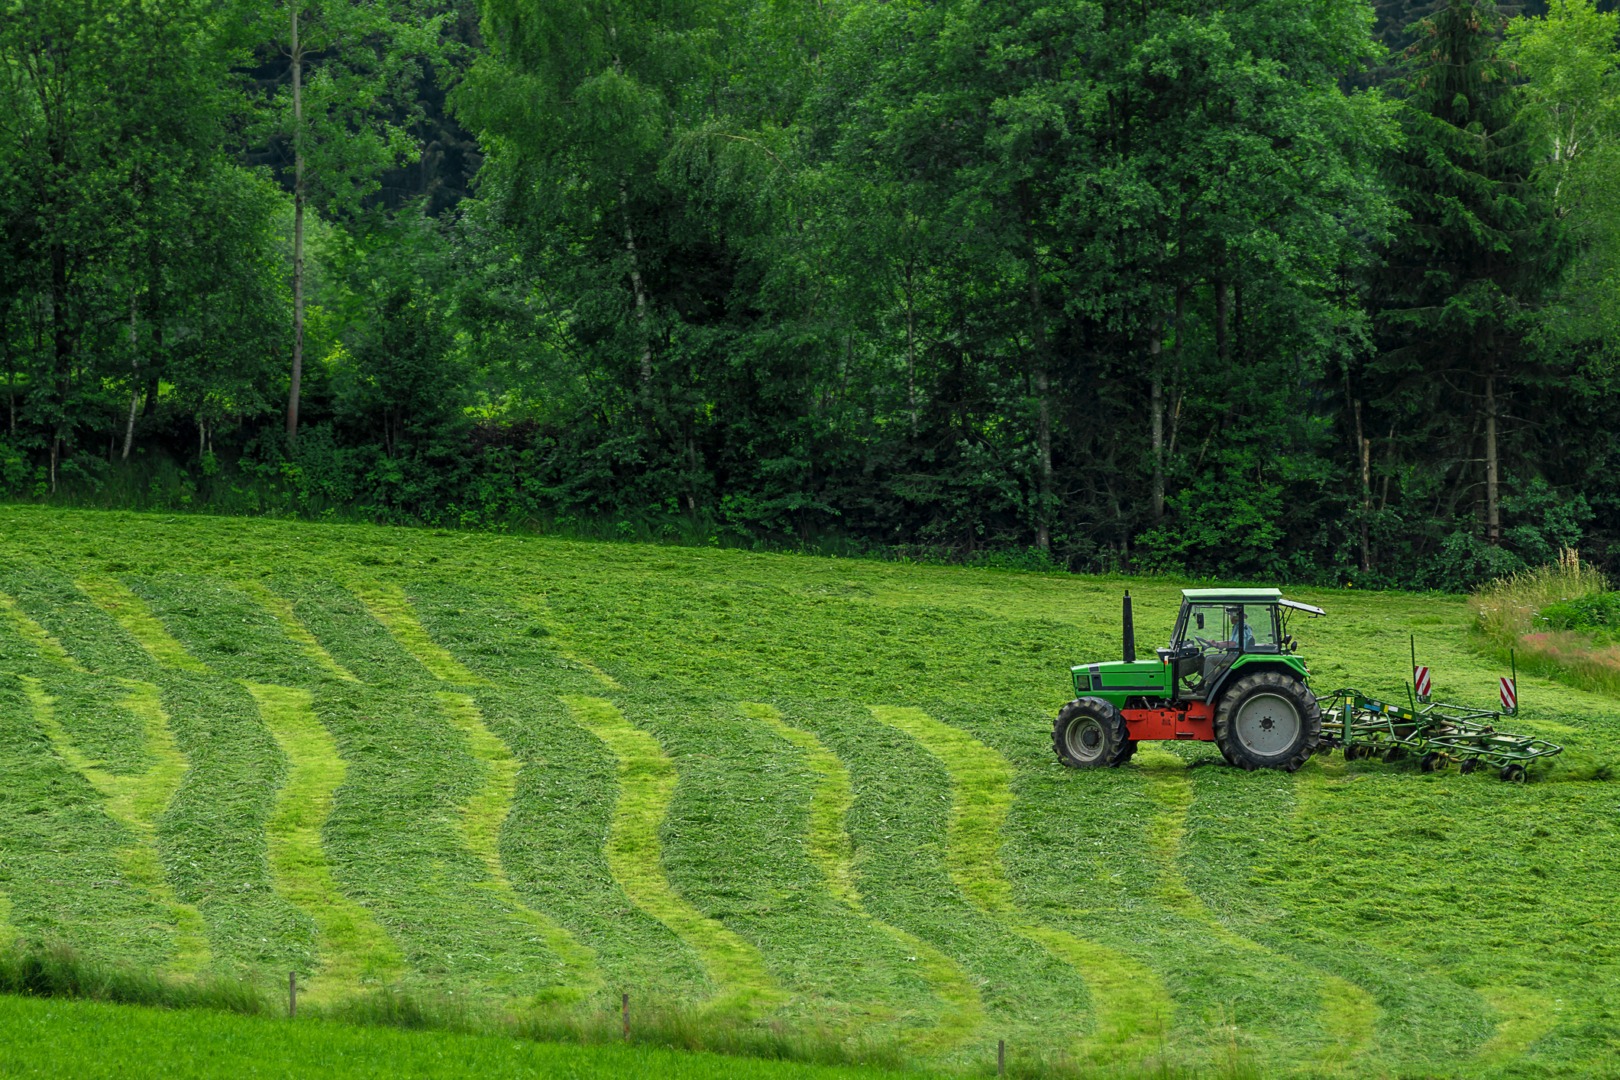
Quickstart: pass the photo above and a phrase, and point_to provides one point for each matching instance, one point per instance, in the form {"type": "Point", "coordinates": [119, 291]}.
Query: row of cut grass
{"type": "Point", "coordinates": [898, 825]}
{"type": "Point", "coordinates": [281, 609]}
{"type": "Point", "coordinates": [1130, 1007]}
{"type": "Point", "coordinates": [196, 837]}
{"type": "Point", "coordinates": [1263, 875]}
{"type": "Point", "coordinates": [219, 860]}
{"type": "Point", "coordinates": [646, 787]}
{"type": "Point", "coordinates": [393, 836]}
{"type": "Point", "coordinates": [389, 605]}
{"type": "Point", "coordinates": [829, 846]}
{"type": "Point", "coordinates": [36, 635]}
{"type": "Point", "coordinates": [1348, 1014]}
{"type": "Point", "coordinates": [231, 629]}
{"type": "Point", "coordinates": [198, 608]}
{"type": "Point", "coordinates": [62, 861]}
{"type": "Point", "coordinates": [138, 622]}
{"type": "Point", "coordinates": [136, 802]}
{"type": "Point", "coordinates": [552, 843]}
{"type": "Point", "coordinates": [482, 819]}
{"type": "Point", "coordinates": [352, 949]}
{"type": "Point", "coordinates": [1078, 848]}
{"type": "Point", "coordinates": [740, 792]}
{"type": "Point", "coordinates": [1511, 938]}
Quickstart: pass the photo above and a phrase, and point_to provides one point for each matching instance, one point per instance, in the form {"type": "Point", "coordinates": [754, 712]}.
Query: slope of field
{"type": "Point", "coordinates": [797, 794]}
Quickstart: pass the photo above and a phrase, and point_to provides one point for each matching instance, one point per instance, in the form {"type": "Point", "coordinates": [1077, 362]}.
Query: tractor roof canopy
{"type": "Point", "coordinates": [1231, 596]}
{"type": "Point", "coordinates": [1245, 596]}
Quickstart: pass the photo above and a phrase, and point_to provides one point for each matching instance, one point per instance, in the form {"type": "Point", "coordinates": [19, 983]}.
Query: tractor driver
{"type": "Point", "coordinates": [1234, 612]}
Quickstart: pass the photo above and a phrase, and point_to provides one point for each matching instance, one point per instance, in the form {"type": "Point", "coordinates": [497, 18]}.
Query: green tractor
{"type": "Point", "coordinates": [1229, 677]}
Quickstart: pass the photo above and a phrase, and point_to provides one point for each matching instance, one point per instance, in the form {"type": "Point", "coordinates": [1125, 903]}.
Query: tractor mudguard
{"type": "Point", "coordinates": [1249, 663]}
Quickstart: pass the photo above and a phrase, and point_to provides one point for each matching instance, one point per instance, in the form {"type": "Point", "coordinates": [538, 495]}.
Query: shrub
{"type": "Point", "coordinates": [1597, 614]}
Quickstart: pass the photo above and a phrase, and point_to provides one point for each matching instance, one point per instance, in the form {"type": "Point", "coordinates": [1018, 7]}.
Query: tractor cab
{"type": "Point", "coordinates": [1228, 676]}
{"type": "Point", "coordinates": [1219, 627]}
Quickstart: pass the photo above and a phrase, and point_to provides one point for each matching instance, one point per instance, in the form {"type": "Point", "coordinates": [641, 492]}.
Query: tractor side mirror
{"type": "Point", "coordinates": [1200, 618]}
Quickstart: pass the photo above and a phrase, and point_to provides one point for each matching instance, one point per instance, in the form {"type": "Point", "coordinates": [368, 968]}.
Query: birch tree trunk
{"type": "Point", "coordinates": [298, 229]}
{"type": "Point", "coordinates": [1493, 506]}
{"type": "Point", "coordinates": [1364, 451]}
{"type": "Point", "coordinates": [1177, 368]}
{"type": "Point", "coordinates": [1156, 421]}
{"type": "Point", "coordinates": [135, 379]}
{"type": "Point", "coordinates": [643, 316]}
{"type": "Point", "coordinates": [1042, 379]}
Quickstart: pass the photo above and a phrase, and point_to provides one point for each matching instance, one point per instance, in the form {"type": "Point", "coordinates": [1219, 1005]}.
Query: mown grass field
{"type": "Point", "coordinates": [779, 793]}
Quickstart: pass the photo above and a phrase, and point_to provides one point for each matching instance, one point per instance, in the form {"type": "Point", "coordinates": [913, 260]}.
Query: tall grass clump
{"type": "Point", "coordinates": [57, 971]}
{"type": "Point", "coordinates": [1508, 608]}
{"type": "Point", "coordinates": [1545, 614]}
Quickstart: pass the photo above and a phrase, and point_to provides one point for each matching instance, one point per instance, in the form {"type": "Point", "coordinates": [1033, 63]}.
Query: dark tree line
{"type": "Point", "coordinates": [1226, 288]}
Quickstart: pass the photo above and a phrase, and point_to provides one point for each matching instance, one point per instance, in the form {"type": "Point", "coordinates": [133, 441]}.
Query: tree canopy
{"type": "Point", "coordinates": [1257, 289]}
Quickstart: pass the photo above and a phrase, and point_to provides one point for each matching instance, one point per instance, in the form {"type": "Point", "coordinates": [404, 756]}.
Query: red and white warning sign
{"type": "Point", "coordinates": [1510, 695]}
{"type": "Point", "coordinates": [1420, 680]}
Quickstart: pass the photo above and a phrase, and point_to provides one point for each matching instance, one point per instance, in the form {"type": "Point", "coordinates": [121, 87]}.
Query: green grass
{"type": "Point", "coordinates": [389, 606]}
{"type": "Point", "coordinates": [139, 622]}
{"type": "Point", "coordinates": [552, 844]}
{"type": "Point", "coordinates": [482, 819]}
{"type": "Point", "coordinates": [136, 802]}
{"type": "Point", "coordinates": [281, 609]}
{"type": "Point", "coordinates": [1346, 1012]}
{"type": "Point", "coordinates": [830, 848]}
{"type": "Point", "coordinates": [635, 854]}
{"type": "Point", "coordinates": [54, 828]}
{"type": "Point", "coordinates": [1130, 1005]}
{"type": "Point", "coordinates": [353, 949]}
{"type": "Point", "coordinates": [53, 1037]}
{"type": "Point", "coordinates": [793, 806]}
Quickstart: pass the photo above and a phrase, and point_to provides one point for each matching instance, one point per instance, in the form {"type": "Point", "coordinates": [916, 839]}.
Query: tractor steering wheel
{"type": "Point", "coordinates": [1205, 642]}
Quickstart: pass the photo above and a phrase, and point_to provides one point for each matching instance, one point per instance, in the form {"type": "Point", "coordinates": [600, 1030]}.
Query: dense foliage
{"type": "Point", "coordinates": [1597, 615]}
{"type": "Point", "coordinates": [1231, 289]}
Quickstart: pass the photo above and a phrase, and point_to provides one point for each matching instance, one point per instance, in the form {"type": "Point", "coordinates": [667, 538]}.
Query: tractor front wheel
{"type": "Point", "coordinates": [1090, 733]}
{"type": "Point", "coordinates": [1268, 721]}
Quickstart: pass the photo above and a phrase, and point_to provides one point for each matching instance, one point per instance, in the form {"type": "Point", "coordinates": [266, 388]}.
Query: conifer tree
{"type": "Point", "coordinates": [1481, 248]}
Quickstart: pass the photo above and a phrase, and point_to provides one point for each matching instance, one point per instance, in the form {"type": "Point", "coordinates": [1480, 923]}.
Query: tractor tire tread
{"type": "Point", "coordinates": [1119, 745]}
{"type": "Point", "coordinates": [1310, 717]}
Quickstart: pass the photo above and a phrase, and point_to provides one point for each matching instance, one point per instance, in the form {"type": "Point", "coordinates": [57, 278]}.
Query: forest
{"type": "Point", "coordinates": [1256, 289]}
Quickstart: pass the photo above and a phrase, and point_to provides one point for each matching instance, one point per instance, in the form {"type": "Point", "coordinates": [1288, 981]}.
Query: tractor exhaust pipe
{"type": "Point", "coordinates": [1130, 631]}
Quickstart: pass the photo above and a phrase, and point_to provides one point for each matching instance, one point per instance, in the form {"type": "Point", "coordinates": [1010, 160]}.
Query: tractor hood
{"type": "Point", "coordinates": [1122, 676]}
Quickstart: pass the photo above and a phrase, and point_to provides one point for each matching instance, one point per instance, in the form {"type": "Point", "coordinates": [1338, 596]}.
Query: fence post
{"type": "Point", "coordinates": [1001, 1057]}
{"type": "Point", "coordinates": [624, 1007]}
{"type": "Point", "coordinates": [292, 994]}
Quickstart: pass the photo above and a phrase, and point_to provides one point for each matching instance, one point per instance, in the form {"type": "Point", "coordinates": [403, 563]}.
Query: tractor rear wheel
{"type": "Point", "coordinates": [1268, 721]}
{"type": "Point", "coordinates": [1090, 733]}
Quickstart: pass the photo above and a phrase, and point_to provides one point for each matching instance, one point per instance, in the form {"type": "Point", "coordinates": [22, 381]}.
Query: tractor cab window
{"type": "Point", "coordinates": [1217, 628]}
{"type": "Point", "coordinates": [1259, 628]}
{"type": "Point", "coordinates": [1203, 629]}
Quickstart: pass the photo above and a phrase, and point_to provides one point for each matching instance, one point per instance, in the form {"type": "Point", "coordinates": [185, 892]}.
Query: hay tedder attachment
{"type": "Point", "coordinates": [1435, 733]}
